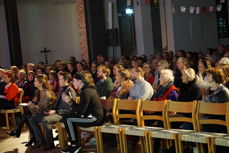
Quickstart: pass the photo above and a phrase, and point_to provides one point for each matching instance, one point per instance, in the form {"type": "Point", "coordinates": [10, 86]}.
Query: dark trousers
{"type": "Point", "coordinates": [5, 104]}
{"type": "Point", "coordinates": [71, 121]}
{"type": "Point", "coordinates": [25, 120]}
{"type": "Point", "coordinates": [48, 121]}
{"type": "Point", "coordinates": [34, 123]}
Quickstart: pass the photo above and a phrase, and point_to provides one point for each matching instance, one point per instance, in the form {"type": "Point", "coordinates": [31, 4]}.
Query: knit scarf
{"type": "Point", "coordinates": [162, 89]}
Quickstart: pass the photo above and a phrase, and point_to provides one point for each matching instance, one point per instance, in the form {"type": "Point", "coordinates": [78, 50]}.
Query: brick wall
{"type": "Point", "coordinates": [82, 29]}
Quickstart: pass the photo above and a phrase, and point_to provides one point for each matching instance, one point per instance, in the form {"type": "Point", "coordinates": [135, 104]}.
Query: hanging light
{"type": "Point", "coordinates": [129, 8]}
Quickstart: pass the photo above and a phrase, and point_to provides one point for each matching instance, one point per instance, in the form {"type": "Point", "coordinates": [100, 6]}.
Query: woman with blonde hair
{"type": "Point", "coordinates": [123, 77]}
{"type": "Point", "coordinates": [189, 90]}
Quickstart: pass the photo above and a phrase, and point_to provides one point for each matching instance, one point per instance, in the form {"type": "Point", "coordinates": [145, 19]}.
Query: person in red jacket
{"type": "Point", "coordinates": [10, 97]}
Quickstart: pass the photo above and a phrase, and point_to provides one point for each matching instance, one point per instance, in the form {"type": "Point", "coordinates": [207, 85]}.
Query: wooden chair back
{"type": "Point", "coordinates": [183, 108]}
{"type": "Point", "coordinates": [126, 105]}
{"type": "Point", "coordinates": [212, 109]}
{"type": "Point", "coordinates": [20, 95]}
{"type": "Point", "coordinates": [156, 111]}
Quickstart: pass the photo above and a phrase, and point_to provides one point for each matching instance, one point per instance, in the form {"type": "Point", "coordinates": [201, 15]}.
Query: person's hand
{"type": "Point", "coordinates": [66, 98]}
{"type": "Point", "coordinates": [30, 104]}
{"type": "Point", "coordinates": [197, 78]}
{"type": "Point", "coordinates": [3, 97]}
{"type": "Point", "coordinates": [50, 112]}
{"type": "Point", "coordinates": [130, 98]}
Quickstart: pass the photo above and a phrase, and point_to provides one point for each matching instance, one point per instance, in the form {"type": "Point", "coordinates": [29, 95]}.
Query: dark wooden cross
{"type": "Point", "coordinates": [45, 52]}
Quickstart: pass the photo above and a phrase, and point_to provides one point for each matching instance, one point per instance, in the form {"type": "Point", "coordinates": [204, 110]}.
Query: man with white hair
{"type": "Point", "coordinates": [141, 89]}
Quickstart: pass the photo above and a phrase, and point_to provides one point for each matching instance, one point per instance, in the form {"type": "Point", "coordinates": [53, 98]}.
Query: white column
{"type": "Point", "coordinates": [143, 28]}
{"type": "Point", "coordinates": [4, 45]}
{"type": "Point", "coordinates": [167, 32]}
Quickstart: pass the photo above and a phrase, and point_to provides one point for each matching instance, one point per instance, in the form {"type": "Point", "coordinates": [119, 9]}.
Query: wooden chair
{"type": "Point", "coordinates": [63, 139]}
{"type": "Point", "coordinates": [205, 137]}
{"type": "Point", "coordinates": [154, 107]}
{"type": "Point", "coordinates": [18, 109]}
{"type": "Point", "coordinates": [180, 109]}
{"type": "Point", "coordinates": [140, 130]}
{"type": "Point", "coordinates": [117, 128]}
{"type": "Point", "coordinates": [167, 118]}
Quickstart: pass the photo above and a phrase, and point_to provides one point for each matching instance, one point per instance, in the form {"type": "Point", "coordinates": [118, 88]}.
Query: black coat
{"type": "Point", "coordinates": [189, 92]}
{"type": "Point", "coordinates": [89, 103]}
{"type": "Point", "coordinates": [2, 87]}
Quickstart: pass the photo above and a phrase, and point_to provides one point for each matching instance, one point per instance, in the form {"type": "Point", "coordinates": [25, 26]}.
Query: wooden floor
{"type": "Point", "coordinates": [17, 145]}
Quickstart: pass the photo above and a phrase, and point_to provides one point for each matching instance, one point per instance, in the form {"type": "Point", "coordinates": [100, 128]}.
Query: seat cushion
{"type": "Point", "coordinates": [139, 131]}
{"type": "Point", "coordinates": [16, 110]}
{"type": "Point", "coordinates": [168, 133]}
{"type": "Point", "coordinates": [112, 128]}
{"type": "Point", "coordinates": [87, 128]}
{"type": "Point", "coordinates": [200, 137]}
{"type": "Point", "coordinates": [223, 141]}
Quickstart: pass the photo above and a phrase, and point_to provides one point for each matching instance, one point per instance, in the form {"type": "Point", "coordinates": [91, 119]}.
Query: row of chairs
{"type": "Point", "coordinates": [166, 111]}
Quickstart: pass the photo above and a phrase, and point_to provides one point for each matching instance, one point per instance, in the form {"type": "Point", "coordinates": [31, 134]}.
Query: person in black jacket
{"type": "Point", "coordinates": [88, 112]}
{"type": "Point", "coordinates": [189, 91]}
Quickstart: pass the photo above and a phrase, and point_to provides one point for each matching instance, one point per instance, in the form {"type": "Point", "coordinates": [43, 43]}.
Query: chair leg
{"type": "Point", "coordinates": [213, 145]}
{"type": "Point", "coordinates": [7, 121]}
{"type": "Point", "coordinates": [123, 146]}
{"type": "Point", "coordinates": [100, 140]}
{"type": "Point", "coordinates": [124, 143]}
{"type": "Point", "coordinates": [209, 145]}
{"type": "Point", "coordinates": [97, 139]}
{"type": "Point", "coordinates": [145, 139]}
{"type": "Point", "coordinates": [180, 145]}
{"type": "Point", "coordinates": [119, 139]}
{"type": "Point", "coordinates": [150, 143]}
{"type": "Point", "coordinates": [176, 144]}
{"type": "Point", "coordinates": [200, 147]}
{"type": "Point", "coordinates": [61, 136]}
{"type": "Point", "coordinates": [143, 145]}
{"type": "Point", "coordinates": [14, 120]}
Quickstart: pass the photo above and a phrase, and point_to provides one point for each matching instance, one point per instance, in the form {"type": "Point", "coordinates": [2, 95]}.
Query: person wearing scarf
{"type": "Point", "coordinates": [166, 89]}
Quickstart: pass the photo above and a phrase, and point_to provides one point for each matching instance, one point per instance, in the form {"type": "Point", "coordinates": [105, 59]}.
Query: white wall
{"type": "Point", "coordinates": [143, 28]}
{"type": "Point", "coordinates": [193, 32]}
{"type": "Point", "coordinates": [48, 24]}
{"type": "Point", "coordinates": [4, 46]}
